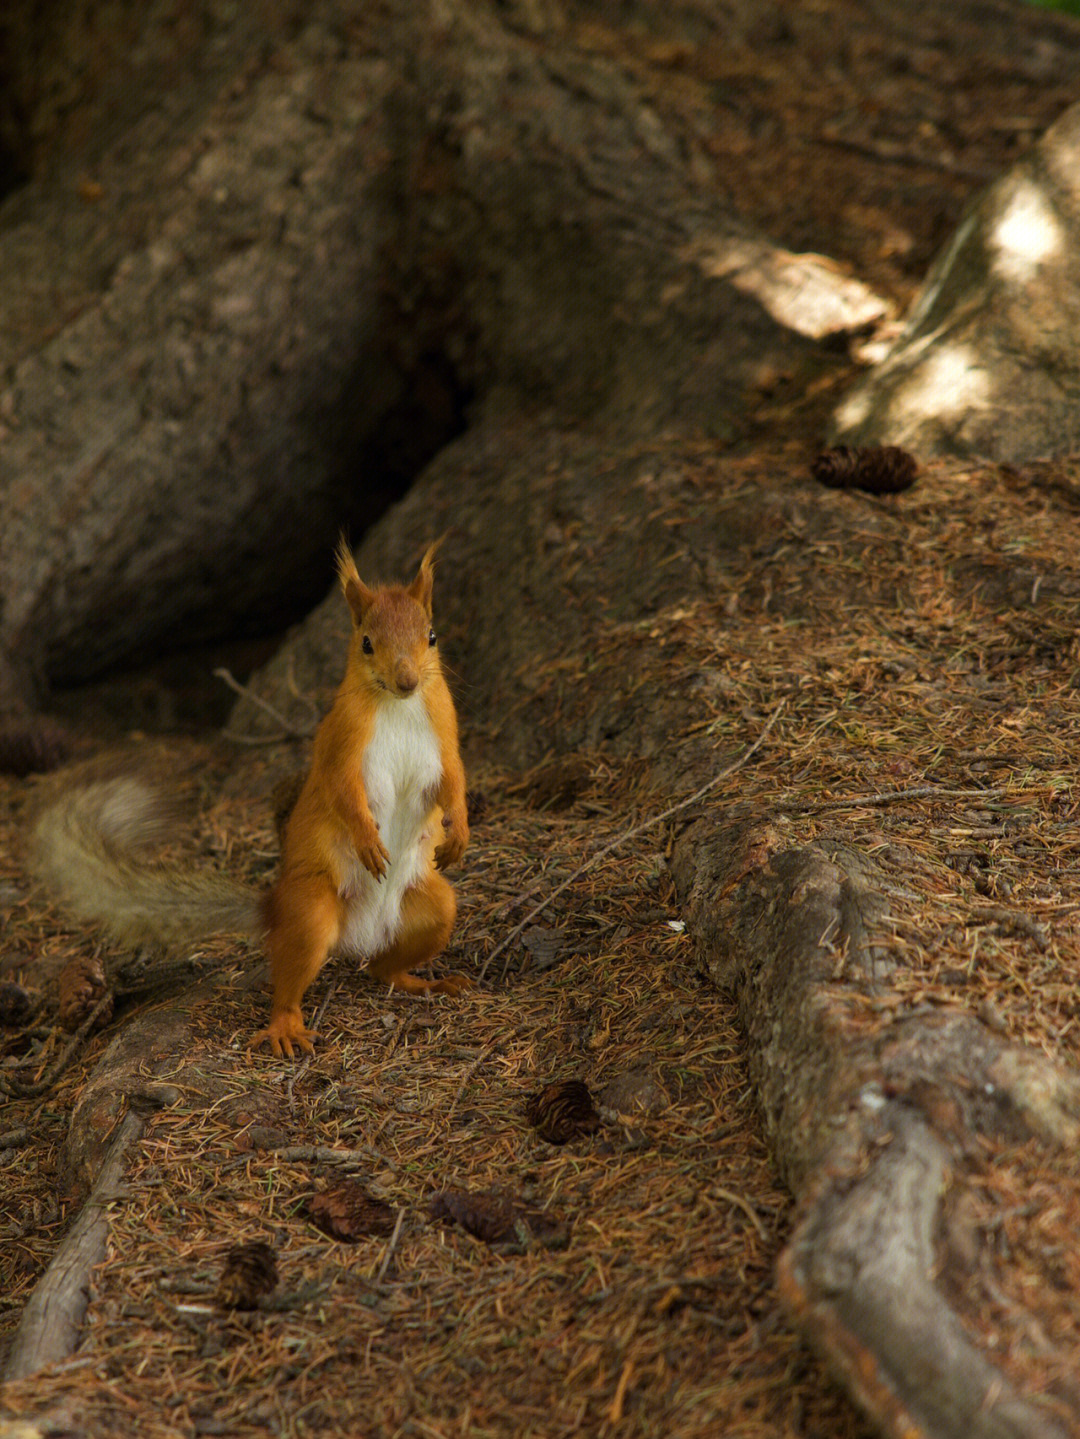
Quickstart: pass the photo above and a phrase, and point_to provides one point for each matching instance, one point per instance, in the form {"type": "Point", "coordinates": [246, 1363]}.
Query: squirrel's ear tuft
{"type": "Point", "coordinates": [420, 589]}
{"type": "Point", "coordinates": [357, 595]}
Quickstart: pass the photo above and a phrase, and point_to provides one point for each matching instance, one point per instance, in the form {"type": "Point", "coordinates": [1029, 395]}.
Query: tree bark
{"type": "Point", "coordinates": [51, 1323]}
{"type": "Point", "coordinates": [481, 204]}
{"type": "Point", "coordinates": [343, 237]}
{"type": "Point", "coordinates": [867, 1128]}
{"type": "Point", "coordinates": [987, 362]}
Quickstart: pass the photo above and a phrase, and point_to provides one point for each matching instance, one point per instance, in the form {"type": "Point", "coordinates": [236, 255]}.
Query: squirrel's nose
{"type": "Point", "coordinates": [406, 676]}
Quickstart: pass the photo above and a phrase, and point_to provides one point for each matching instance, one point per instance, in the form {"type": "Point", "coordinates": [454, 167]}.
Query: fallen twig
{"type": "Point", "coordinates": [390, 1247]}
{"type": "Point", "coordinates": [903, 155]}
{"type": "Point", "coordinates": [16, 1090]}
{"type": "Point", "coordinates": [324, 1154]}
{"type": "Point", "coordinates": [290, 731]}
{"type": "Point", "coordinates": [296, 1070]}
{"type": "Point", "coordinates": [895, 796]}
{"type": "Point", "coordinates": [473, 1067]}
{"type": "Point", "coordinates": [743, 1204]}
{"type": "Point", "coordinates": [1014, 922]}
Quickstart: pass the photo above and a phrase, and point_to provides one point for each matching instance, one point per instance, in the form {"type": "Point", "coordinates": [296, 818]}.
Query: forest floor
{"type": "Point", "coordinates": [926, 640]}
{"type": "Point", "coordinates": [927, 644]}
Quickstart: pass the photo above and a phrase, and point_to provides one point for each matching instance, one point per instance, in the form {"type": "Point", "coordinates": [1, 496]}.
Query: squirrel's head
{"type": "Point", "coordinates": [393, 643]}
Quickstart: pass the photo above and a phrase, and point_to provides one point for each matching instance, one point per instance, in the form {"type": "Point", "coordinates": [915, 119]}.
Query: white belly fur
{"type": "Point", "coordinates": [402, 769]}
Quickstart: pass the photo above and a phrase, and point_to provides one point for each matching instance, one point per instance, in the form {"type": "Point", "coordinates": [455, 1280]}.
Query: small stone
{"type": "Point", "coordinates": [634, 1093]}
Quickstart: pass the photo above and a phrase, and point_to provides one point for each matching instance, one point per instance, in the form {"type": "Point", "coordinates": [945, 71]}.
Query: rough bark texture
{"type": "Point", "coordinates": [105, 1128]}
{"type": "Point", "coordinates": [194, 352]}
{"type": "Point", "coordinates": [862, 1123]}
{"type": "Point", "coordinates": [987, 361]}
{"type": "Point", "coordinates": [51, 1325]}
{"type": "Point", "coordinates": [282, 282]}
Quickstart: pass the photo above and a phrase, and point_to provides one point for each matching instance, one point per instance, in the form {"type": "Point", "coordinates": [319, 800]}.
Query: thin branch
{"type": "Point", "coordinates": [51, 1324]}
{"type": "Point", "coordinates": [895, 796]}
{"type": "Point", "coordinates": [469, 1073]}
{"type": "Point", "coordinates": [291, 731]}
{"type": "Point", "coordinates": [255, 740]}
{"type": "Point", "coordinates": [902, 155]}
{"type": "Point", "coordinates": [391, 1246]}
{"type": "Point", "coordinates": [14, 1089]}
{"type": "Point", "coordinates": [296, 1070]}
{"type": "Point", "coordinates": [744, 1204]}
{"type": "Point", "coordinates": [633, 833]}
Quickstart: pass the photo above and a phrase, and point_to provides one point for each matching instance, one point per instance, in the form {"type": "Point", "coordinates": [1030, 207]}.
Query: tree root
{"type": "Point", "coordinates": [51, 1323]}
{"type": "Point", "coordinates": [867, 1125]}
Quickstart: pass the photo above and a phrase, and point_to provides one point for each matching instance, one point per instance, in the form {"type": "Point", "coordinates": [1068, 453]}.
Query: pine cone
{"type": "Point", "coordinates": [562, 1111]}
{"type": "Point", "coordinates": [879, 470]}
{"type": "Point", "coordinates": [82, 984]}
{"type": "Point", "coordinates": [15, 1004]}
{"type": "Point", "coordinates": [250, 1272]}
{"type": "Point", "coordinates": [482, 1212]}
{"type": "Point", "coordinates": [496, 1219]}
{"type": "Point", "coordinates": [348, 1212]}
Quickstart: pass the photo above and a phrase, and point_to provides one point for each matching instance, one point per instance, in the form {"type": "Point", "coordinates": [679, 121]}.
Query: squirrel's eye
{"type": "Point", "coordinates": [367, 646]}
{"type": "Point", "coordinates": [431, 637]}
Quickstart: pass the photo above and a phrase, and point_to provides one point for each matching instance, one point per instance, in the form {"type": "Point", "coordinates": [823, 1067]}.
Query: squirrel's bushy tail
{"type": "Point", "coordinates": [89, 848]}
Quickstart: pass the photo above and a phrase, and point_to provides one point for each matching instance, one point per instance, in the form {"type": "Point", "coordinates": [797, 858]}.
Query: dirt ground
{"type": "Point", "coordinates": [927, 639]}
{"type": "Point", "coordinates": [940, 631]}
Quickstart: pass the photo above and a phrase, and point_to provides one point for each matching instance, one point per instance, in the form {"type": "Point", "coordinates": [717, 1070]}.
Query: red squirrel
{"type": "Point", "coordinates": [380, 814]}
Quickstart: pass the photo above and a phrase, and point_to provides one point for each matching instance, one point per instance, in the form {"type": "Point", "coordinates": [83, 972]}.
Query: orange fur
{"type": "Point", "coordinates": [318, 899]}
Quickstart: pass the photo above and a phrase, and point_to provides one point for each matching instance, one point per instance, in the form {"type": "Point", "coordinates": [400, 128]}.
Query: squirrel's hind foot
{"type": "Point", "coordinates": [452, 984]}
{"type": "Point", "coordinates": [283, 1031]}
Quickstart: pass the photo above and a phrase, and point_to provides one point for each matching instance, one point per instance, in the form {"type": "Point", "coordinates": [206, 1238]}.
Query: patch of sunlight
{"type": "Point", "coordinates": [1027, 234]}
{"type": "Point", "coordinates": [854, 410]}
{"type": "Point", "coordinates": [947, 384]}
{"type": "Point", "coordinates": [809, 294]}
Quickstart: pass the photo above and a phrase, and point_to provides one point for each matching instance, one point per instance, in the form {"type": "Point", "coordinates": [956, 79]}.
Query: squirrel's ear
{"type": "Point", "coordinates": [420, 589]}
{"type": "Point", "coordinates": [357, 595]}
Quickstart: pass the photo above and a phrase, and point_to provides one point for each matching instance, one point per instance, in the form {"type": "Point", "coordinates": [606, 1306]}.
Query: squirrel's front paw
{"type": "Point", "coordinates": [284, 1030]}
{"type": "Point", "coordinates": [373, 854]}
{"type": "Point", "coordinates": [457, 837]}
